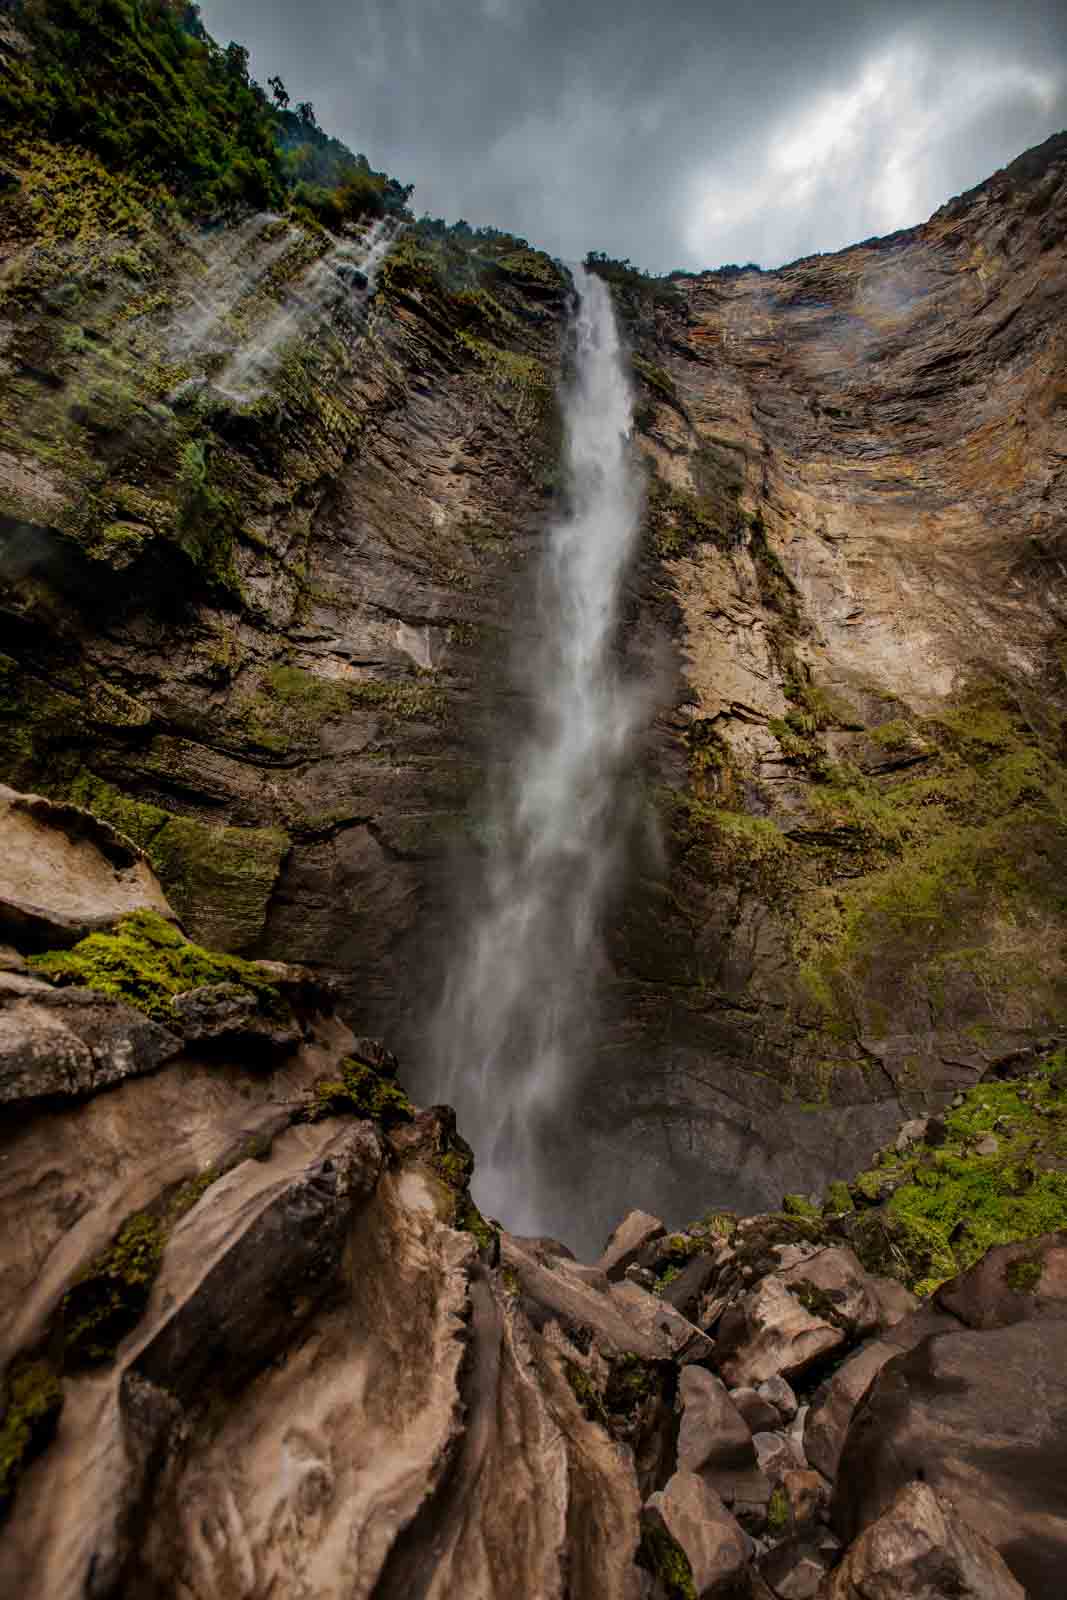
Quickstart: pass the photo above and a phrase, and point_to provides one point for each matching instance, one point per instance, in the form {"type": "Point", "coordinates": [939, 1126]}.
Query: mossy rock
{"type": "Point", "coordinates": [942, 1209]}
{"type": "Point", "coordinates": [360, 1091]}
{"type": "Point", "coordinates": [109, 1296]}
{"type": "Point", "coordinates": [145, 962]}
{"type": "Point", "coordinates": [32, 1403]}
{"type": "Point", "coordinates": [663, 1556]}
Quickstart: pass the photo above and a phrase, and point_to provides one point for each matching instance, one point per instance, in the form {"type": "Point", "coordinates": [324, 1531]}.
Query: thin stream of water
{"type": "Point", "coordinates": [517, 1017]}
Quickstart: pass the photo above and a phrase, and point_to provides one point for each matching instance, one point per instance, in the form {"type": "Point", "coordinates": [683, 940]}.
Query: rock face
{"type": "Point", "coordinates": [64, 873]}
{"type": "Point", "coordinates": [265, 640]}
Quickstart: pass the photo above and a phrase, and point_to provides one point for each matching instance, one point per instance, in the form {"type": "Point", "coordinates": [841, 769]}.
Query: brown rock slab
{"type": "Point", "coordinates": [636, 1230]}
{"type": "Point", "coordinates": [981, 1417]}
{"type": "Point", "coordinates": [72, 1041]}
{"type": "Point", "coordinates": [920, 1548]}
{"type": "Point", "coordinates": [834, 1279]}
{"type": "Point", "coordinates": [65, 874]}
{"type": "Point", "coordinates": [714, 1440]}
{"type": "Point", "coordinates": [1012, 1283]}
{"type": "Point", "coordinates": [768, 1333]}
{"type": "Point", "coordinates": [694, 1517]}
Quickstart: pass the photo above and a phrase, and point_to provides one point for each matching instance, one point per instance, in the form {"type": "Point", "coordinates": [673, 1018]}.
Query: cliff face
{"type": "Point", "coordinates": [256, 610]}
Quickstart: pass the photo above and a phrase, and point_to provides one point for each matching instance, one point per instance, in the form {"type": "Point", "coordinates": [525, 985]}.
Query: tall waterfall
{"type": "Point", "coordinates": [519, 1004]}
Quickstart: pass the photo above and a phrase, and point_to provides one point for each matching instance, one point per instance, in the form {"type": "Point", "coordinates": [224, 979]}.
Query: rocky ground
{"type": "Point", "coordinates": [258, 1339]}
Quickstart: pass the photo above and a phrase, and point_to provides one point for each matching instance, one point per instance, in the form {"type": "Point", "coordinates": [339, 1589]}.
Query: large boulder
{"type": "Point", "coordinates": [769, 1333]}
{"type": "Point", "coordinates": [920, 1549]}
{"type": "Point", "coordinates": [982, 1419]}
{"type": "Point", "coordinates": [1012, 1283]}
{"type": "Point", "coordinates": [714, 1440]}
{"type": "Point", "coordinates": [65, 874]}
{"type": "Point", "coordinates": [688, 1516]}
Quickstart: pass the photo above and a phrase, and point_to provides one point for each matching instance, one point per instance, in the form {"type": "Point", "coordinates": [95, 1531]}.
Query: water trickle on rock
{"type": "Point", "coordinates": [517, 1016]}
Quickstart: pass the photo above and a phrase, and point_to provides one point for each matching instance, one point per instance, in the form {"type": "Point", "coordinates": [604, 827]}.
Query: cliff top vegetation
{"type": "Point", "coordinates": [142, 85]}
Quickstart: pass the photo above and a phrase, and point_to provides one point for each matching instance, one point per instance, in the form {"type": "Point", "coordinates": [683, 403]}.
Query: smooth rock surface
{"type": "Point", "coordinates": [768, 1334]}
{"type": "Point", "coordinates": [714, 1440]}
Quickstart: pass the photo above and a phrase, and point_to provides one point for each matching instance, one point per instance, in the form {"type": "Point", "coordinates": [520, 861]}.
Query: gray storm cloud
{"type": "Point", "coordinates": [681, 135]}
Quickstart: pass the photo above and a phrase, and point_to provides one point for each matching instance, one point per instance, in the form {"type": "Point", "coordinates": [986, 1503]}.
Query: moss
{"type": "Point", "coordinates": [838, 1199]}
{"type": "Point", "coordinates": [631, 1382]}
{"type": "Point", "coordinates": [778, 1514]}
{"type": "Point", "coordinates": [109, 1296]}
{"type": "Point", "coordinates": [145, 962]}
{"type": "Point", "coordinates": [1023, 1276]}
{"type": "Point", "coordinates": [470, 1220]}
{"type": "Point", "coordinates": [586, 1393]}
{"type": "Point", "coordinates": [360, 1092]}
{"type": "Point", "coordinates": [796, 1205]}
{"type": "Point", "coordinates": [945, 1208]}
{"type": "Point", "coordinates": [662, 1555]}
{"type": "Point", "coordinates": [218, 879]}
{"type": "Point", "coordinates": [657, 380]}
{"type": "Point", "coordinates": [33, 1401]}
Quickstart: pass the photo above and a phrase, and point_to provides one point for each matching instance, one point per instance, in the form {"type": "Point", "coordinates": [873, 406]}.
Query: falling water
{"type": "Point", "coordinates": [515, 1022]}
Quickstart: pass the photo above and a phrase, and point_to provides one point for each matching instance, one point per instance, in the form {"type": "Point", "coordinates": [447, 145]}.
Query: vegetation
{"type": "Point", "coordinates": [1000, 1174]}
{"type": "Point", "coordinates": [145, 962]}
{"type": "Point", "coordinates": [360, 1092]}
{"type": "Point", "coordinates": [142, 85]}
{"type": "Point", "coordinates": [32, 1403]}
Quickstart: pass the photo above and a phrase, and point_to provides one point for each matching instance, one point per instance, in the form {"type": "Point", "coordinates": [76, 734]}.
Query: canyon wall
{"type": "Point", "coordinates": [259, 623]}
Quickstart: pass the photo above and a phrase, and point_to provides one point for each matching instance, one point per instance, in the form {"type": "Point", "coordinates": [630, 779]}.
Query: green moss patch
{"type": "Point", "coordinates": [32, 1403]}
{"type": "Point", "coordinates": [145, 962]}
{"type": "Point", "coordinates": [360, 1092]}
{"type": "Point", "coordinates": [108, 1298]}
{"type": "Point", "coordinates": [949, 1205]}
{"type": "Point", "coordinates": [662, 1555]}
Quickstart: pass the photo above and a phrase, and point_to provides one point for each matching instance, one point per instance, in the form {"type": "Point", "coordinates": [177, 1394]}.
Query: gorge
{"type": "Point", "coordinates": [626, 715]}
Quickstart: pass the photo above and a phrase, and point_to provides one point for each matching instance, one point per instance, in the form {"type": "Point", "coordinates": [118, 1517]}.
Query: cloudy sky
{"type": "Point", "coordinates": [680, 133]}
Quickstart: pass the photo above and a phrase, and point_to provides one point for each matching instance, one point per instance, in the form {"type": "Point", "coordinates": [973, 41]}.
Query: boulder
{"type": "Point", "coordinates": [688, 1289]}
{"type": "Point", "coordinates": [921, 1549]}
{"type": "Point", "coordinates": [636, 1230]}
{"type": "Point", "coordinates": [979, 1417]}
{"type": "Point", "coordinates": [808, 1494]}
{"type": "Point", "coordinates": [1012, 1283]}
{"type": "Point", "coordinates": [714, 1440]}
{"type": "Point", "coordinates": [833, 1284]}
{"type": "Point", "coordinates": [768, 1332]}
{"type": "Point", "coordinates": [71, 1042]}
{"type": "Point", "coordinates": [760, 1416]}
{"type": "Point", "coordinates": [658, 1320]}
{"type": "Point", "coordinates": [777, 1455]}
{"type": "Point", "coordinates": [777, 1393]}
{"type": "Point", "coordinates": [795, 1569]}
{"type": "Point", "coordinates": [689, 1515]}
{"type": "Point", "coordinates": [894, 1301]}
{"type": "Point", "coordinates": [835, 1401]}
{"type": "Point", "coordinates": [65, 874]}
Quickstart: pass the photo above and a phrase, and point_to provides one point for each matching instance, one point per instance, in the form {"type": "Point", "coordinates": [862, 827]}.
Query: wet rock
{"type": "Point", "coordinates": [769, 1333]}
{"type": "Point", "coordinates": [978, 1417]}
{"type": "Point", "coordinates": [693, 1518]}
{"type": "Point", "coordinates": [636, 1230]}
{"type": "Point", "coordinates": [71, 1041]}
{"type": "Point", "coordinates": [922, 1548]}
{"type": "Point", "coordinates": [760, 1416]}
{"type": "Point", "coordinates": [779, 1394]}
{"type": "Point", "coordinates": [714, 1440]}
{"type": "Point", "coordinates": [65, 874]}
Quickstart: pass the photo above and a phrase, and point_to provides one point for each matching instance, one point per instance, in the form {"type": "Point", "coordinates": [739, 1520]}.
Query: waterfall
{"type": "Point", "coordinates": [516, 1020]}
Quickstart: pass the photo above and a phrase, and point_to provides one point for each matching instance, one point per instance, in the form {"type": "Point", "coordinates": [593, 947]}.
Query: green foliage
{"type": "Point", "coordinates": [632, 286]}
{"type": "Point", "coordinates": [778, 1515]}
{"type": "Point", "coordinates": [360, 1092]}
{"type": "Point", "coordinates": [141, 84]}
{"type": "Point", "coordinates": [145, 962]}
{"type": "Point", "coordinates": [838, 1199]}
{"type": "Point", "coordinates": [947, 1206]}
{"type": "Point", "coordinates": [32, 1404]}
{"type": "Point", "coordinates": [470, 1220]}
{"type": "Point", "coordinates": [1023, 1276]}
{"type": "Point", "coordinates": [796, 1205]}
{"type": "Point", "coordinates": [108, 1297]}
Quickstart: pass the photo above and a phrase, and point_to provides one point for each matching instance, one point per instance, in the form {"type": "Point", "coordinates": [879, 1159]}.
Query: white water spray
{"type": "Point", "coordinates": [515, 1022]}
